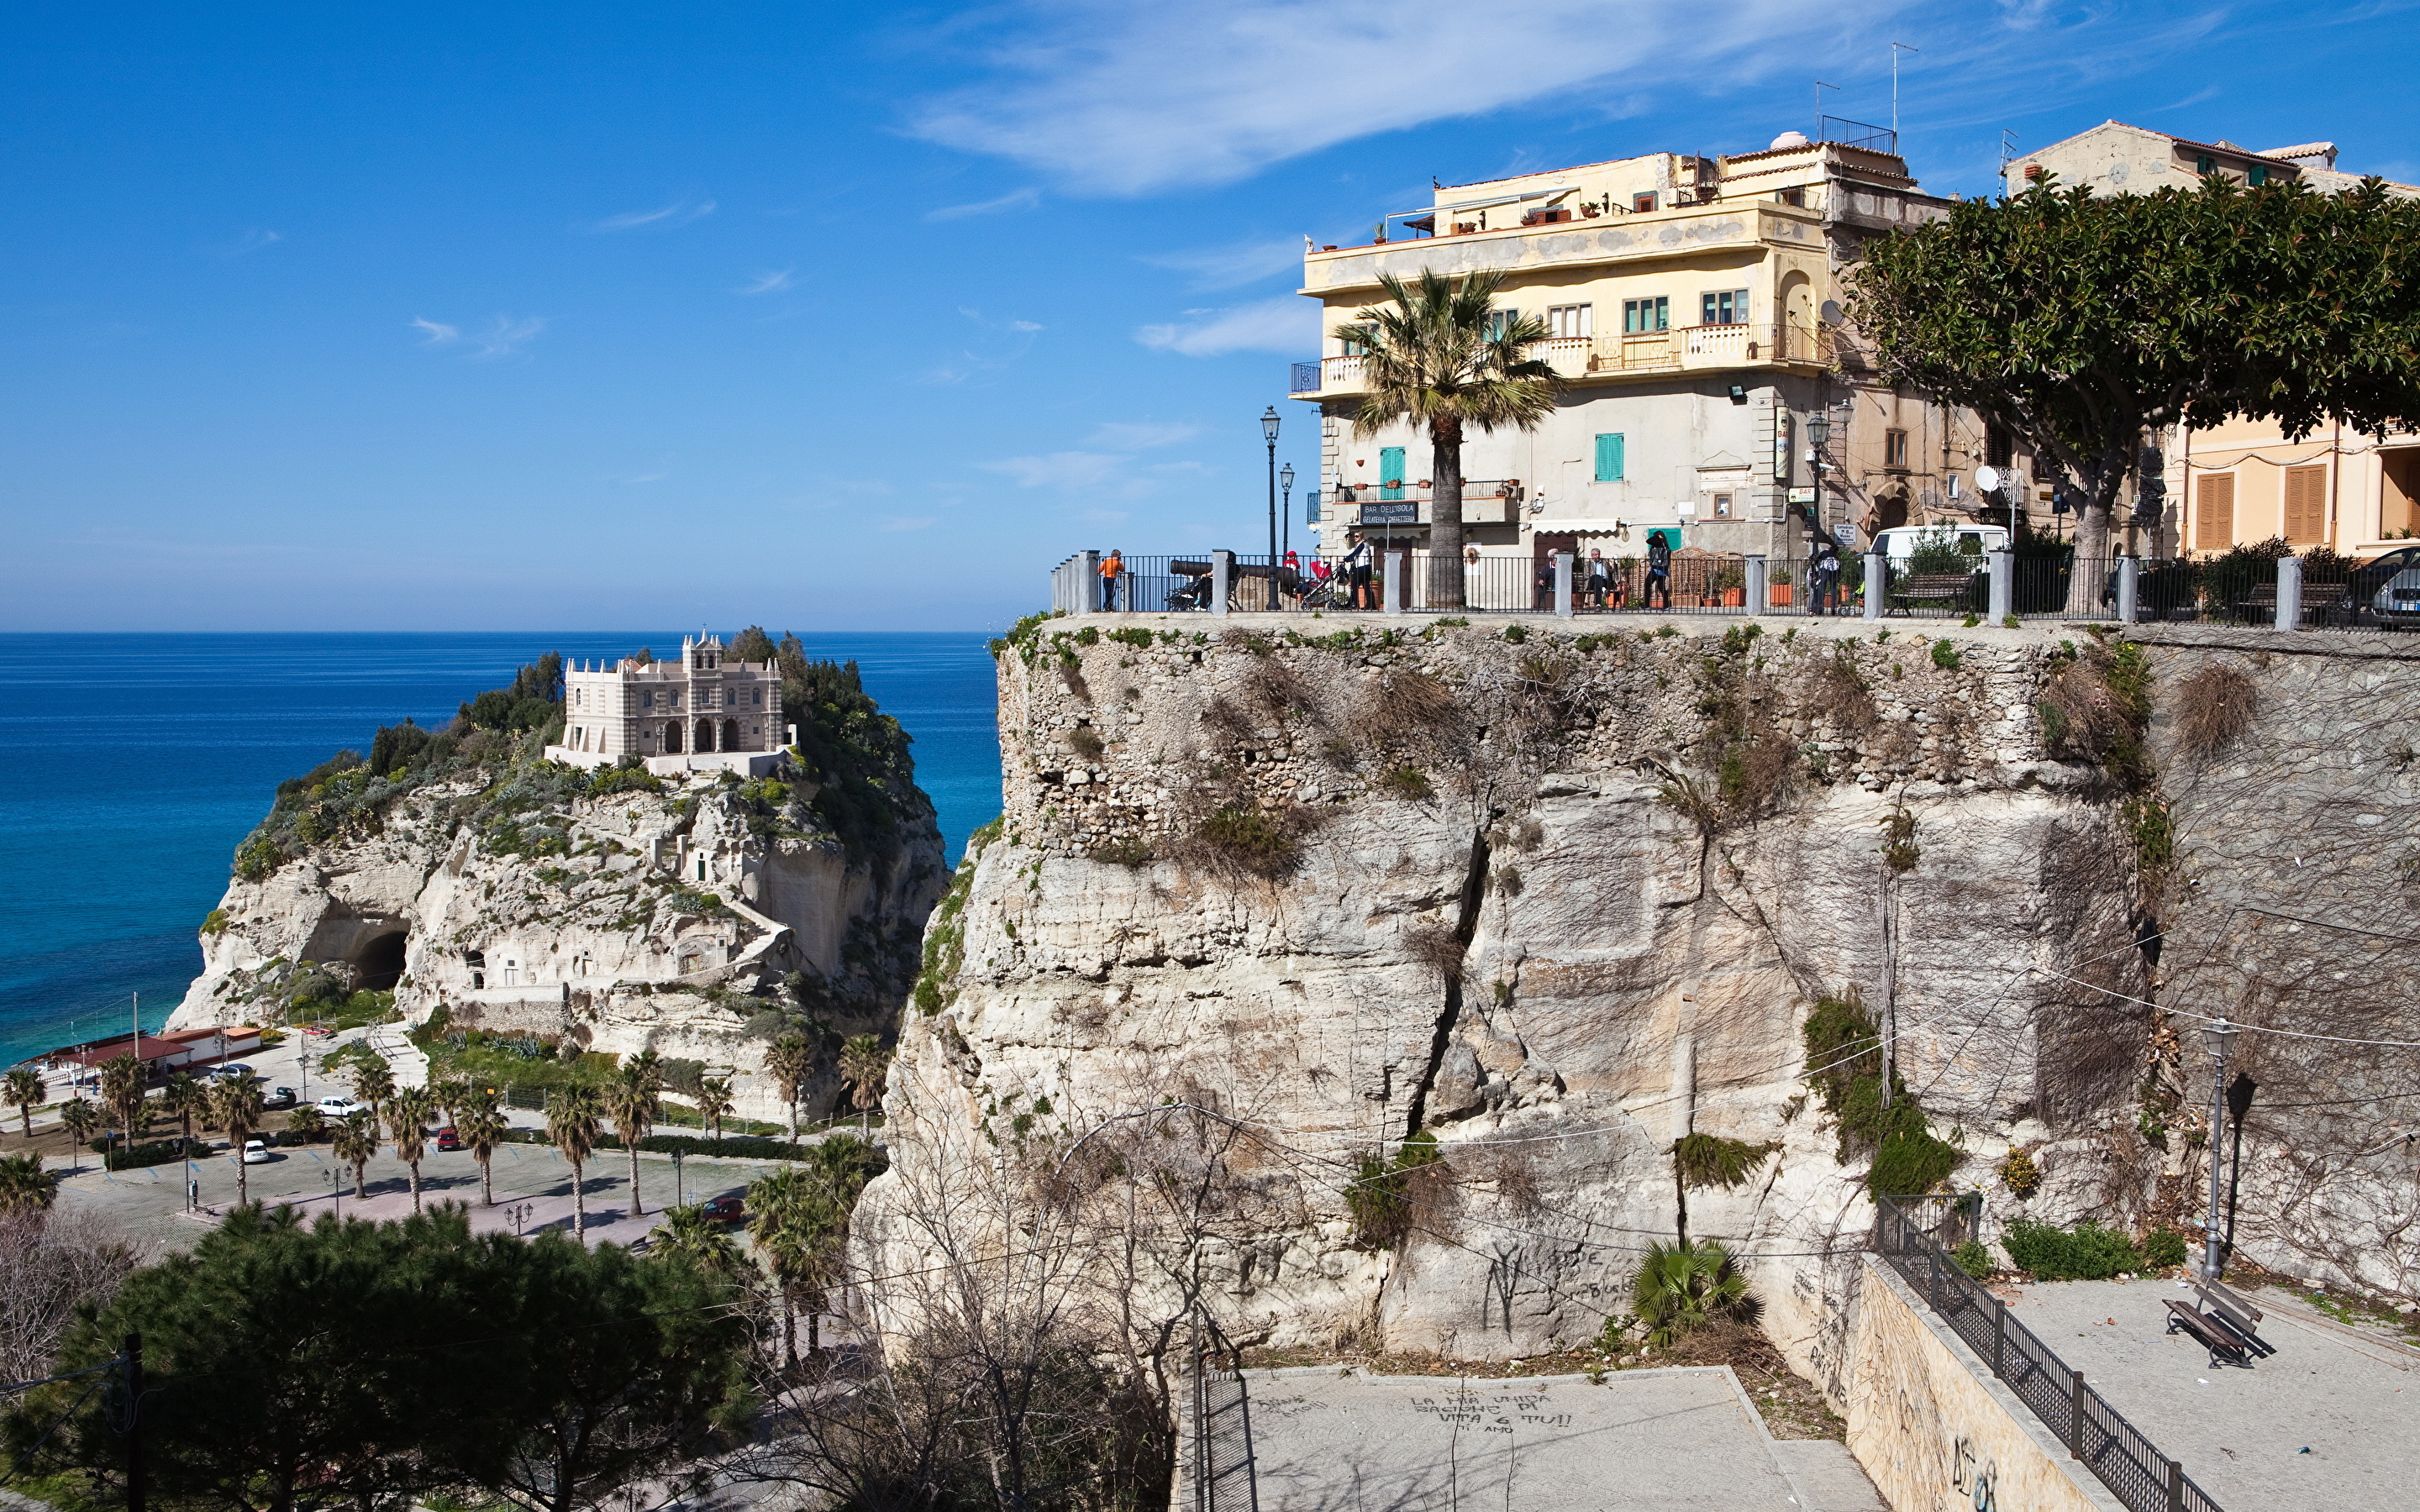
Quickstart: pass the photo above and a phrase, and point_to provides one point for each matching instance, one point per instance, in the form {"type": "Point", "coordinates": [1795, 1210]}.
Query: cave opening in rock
{"type": "Point", "coordinates": [379, 964]}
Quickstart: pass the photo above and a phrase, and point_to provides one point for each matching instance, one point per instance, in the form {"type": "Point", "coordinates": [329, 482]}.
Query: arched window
{"type": "Point", "coordinates": [671, 738]}
{"type": "Point", "coordinates": [730, 734]}
{"type": "Point", "coordinates": [705, 735]}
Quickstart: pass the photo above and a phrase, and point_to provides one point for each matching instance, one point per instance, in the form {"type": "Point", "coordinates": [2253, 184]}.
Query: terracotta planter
{"type": "Point", "coordinates": [1778, 594]}
{"type": "Point", "coordinates": [1734, 597]}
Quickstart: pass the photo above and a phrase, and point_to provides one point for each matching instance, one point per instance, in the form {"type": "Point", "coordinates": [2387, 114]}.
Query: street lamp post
{"type": "Point", "coordinates": [2217, 1037]}
{"type": "Point", "coordinates": [1285, 505]}
{"type": "Point", "coordinates": [1269, 433]}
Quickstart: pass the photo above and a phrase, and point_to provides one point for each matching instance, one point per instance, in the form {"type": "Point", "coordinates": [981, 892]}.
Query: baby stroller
{"type": "Point", "coordinates": [1326, 593]}
{"type": "Point", "coordinates": [1195, 594]}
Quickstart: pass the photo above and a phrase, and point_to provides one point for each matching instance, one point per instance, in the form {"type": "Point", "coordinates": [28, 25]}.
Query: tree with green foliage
{"type": "Point", "coordinates": [346, 1364]}
{"type": "Point", "coordinates": [235, 1107]}
{"type": "Point", "coordinates": [25, 1185]}
{"type": "Point", "coordinates": [1680, 1287]}
{"type": "Point", "coordinates": [79, 1118]}
{"type": "Point", "coordinates": [306, 1123]}
{"type": "Point", "coordinates": [713, 1102]}
{"type": "Point", "coordinates": [1441, 357]}
{"type": "Point", "coordinates": [571, 1128]}
{"type": "Point", "coordinates": [2086, 324]}
{"type": "Point", "coordinates": [121, 1092]}
{"type": "Point", "coordinates": [634, 1100]}
{"type": "Point", "coordinates": [789, 1060]}
{"type": "Point", "coordinates": [408, 1112]}
{"type": "Point", "coordinates": [687, 1234]}
{"type": "Point", "coordinates": [800, 1218]}
{"type": "Point", "coordinates": [356, 1142]}
{"type": "Point", "coordinates": [183, 1097]}
{"type": "Point", "coordinates": [480, 1124]}
{"type": "Point", "coordinates": [23, 1090]}
{"type": "Point", "coordinates": [863, 1065]}
{"type": "Point", "coordinates": [372, 1082]}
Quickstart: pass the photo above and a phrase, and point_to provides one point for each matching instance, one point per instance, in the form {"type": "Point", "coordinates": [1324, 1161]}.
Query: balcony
{"type": "Point", "coordinates": [1581, 359]}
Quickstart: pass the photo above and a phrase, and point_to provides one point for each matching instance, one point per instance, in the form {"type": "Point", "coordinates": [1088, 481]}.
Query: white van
{"type": "Point", "coordinates": [1899, 543]}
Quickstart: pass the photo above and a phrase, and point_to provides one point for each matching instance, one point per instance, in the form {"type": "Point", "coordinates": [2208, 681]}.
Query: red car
{"type": "Point", "coordinates": [448, 1139]}
{"type": "Point", "coordinates": [726, 1209]}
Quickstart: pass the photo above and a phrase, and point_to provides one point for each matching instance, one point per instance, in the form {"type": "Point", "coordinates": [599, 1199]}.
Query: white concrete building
{"type": "Point", "coordinates": [702, 712]}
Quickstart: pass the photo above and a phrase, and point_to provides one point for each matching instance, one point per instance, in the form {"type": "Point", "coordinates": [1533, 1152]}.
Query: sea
{"type": "Point", "coordinates": [131, 765]}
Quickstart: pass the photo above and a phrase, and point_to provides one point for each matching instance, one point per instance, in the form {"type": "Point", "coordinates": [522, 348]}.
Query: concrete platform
{"type": "Point", "coordinates": [1672, 1440]}
{"type": "Point", "coordinates": [2330, 1421]}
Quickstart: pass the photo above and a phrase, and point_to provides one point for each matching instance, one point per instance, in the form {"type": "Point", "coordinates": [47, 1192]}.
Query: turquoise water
{"type": "Point", "coordinates": [131, 764]}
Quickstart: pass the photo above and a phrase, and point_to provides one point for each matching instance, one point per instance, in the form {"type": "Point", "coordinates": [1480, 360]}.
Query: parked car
{"type": "Point", "coordinates": [279, 1097]}
{"type": "Point", "coordinates": [341, 1106]}
{"type": "Point", "coordinates": [1974, 542]}
{"type": "Point", "coordinates": [2389, 587]}
{"type": "Point", "coordinates": [255, 1152]}
{"type": "Point", "coordinates": [448, 1139]}
{"type": "Point", "coordinates": [729, 1208]}
{"type": "Point", "coordinates": [227, 1072]}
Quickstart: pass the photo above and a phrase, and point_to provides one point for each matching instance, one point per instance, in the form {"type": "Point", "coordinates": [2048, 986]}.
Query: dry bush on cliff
{"type": "Point", "coordinates": [1272, 685]}
{"type": "Point", "coordinates": [1412, 708]}
{"type": "Point", "coordinates": [2212, 708]}
{"type": "Point", "coordinates": [1437, 948]}
{"type": "Point", "coordinates": [1241, 841]}
{"type": "Point", "coordinates": [51, 1261]}
{"type": "Point", "coordinates": [1840, 690]}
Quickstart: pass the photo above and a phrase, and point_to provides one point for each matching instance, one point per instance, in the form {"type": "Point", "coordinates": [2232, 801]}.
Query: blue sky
{"type": "Point", "coordinates": [450, 317]}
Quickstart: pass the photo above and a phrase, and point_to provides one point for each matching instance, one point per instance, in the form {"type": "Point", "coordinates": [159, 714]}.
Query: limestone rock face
{"type": "Point", "coordinates": [667, 920]}
{"type": "Point", "coordinates": [1557, 902]}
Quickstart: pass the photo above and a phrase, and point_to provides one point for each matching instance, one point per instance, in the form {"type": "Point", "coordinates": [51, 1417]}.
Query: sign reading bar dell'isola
{"type": "Point", "coordinates": [1394, 512]}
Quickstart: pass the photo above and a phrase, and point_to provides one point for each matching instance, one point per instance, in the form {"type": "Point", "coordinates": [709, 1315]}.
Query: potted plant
{"type": "Point", "coordinates": [1730, 584]}
{"type": "Point", "coordinates": [1778, 587]}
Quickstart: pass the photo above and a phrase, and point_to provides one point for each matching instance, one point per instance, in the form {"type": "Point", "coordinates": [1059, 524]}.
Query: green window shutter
{"type": "Point", "coordinates": [1391, 473]}
{"type": "Point", "coordinates": [1608, 459]}
{"type": "Point", "coordinates": [2258, 176]}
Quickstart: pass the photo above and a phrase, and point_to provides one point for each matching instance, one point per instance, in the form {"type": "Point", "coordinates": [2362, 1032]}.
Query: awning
{"type": "Point", "coordinates": [1597, 527]}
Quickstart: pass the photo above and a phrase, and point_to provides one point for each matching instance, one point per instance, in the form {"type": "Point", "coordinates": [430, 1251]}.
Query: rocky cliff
{"type": "Point", "coordinates": [1623, 921]}
{"type": "Point", "coordinates": [694, 915]}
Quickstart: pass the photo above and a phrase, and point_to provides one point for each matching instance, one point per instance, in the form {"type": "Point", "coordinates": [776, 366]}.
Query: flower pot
{"type": "Point", "coordinates": [1734, 597]}
{"type": "Point", "coordinates": [1778, 594]}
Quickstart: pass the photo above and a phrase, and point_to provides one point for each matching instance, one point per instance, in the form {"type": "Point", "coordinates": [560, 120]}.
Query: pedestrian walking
{"type": "Point", "coordinates": [1824, 575]}
{"type": "Point", "coordinates": [1659, 570]}
{"type": "Point", "coordinates": [1290, 579]}
{"type": "Point", "coordinates": [1357, 572]}
{"type": "Point", "coordinates": [1113, 567]}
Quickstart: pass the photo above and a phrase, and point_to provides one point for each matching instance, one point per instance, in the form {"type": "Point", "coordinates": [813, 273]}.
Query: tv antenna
{"type": "Point", "coordinates": [1819, 87]}
{"type": "Point", "coordinates": [1897, 48]}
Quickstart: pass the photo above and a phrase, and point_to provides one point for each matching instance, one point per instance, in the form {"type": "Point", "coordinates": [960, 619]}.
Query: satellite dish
{"type": "Point", "coordinates": [1987, 479]}
{"type": "Point", "coordinates": [1831, 313]}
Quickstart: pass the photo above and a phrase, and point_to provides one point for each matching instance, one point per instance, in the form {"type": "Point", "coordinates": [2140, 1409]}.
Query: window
{"type": "Point", "coordinates": [2256, 176]}
{"type": "Point", "coordinates": [1725, 307]}
{"type": "Point", "coordinates": [1999, 450]}
{"type": "Point", "coordinates": [1353, 347]}
{"type": "Point", "coordinates": [1639, 317]}
{"type": "Point", "coordinates": [2205, 165]}
{"type": "Point", "coordinates": [2306, 505]}
{"type": "Point", "coordinates": [1722, 506]}
{"type": "Point", "coordinates": [1608, 459]}
{"type": "Point", "coordinates": [1500, 321]}
{"type": "Point", "coordinates": [1571, 320]}
{"type": "Point", "coordinates": [647, 701]}
{"type": "Point", "coordinates": [1894, 449]}
{"type": "Point", "coordinates": [1795, 196]}
{"type": "Point", "coordinates": [1641, 203]}
{"type": "Point", "coordinates": [2214, 509]}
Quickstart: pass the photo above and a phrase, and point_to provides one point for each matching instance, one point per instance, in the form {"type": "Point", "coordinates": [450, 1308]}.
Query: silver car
{"type": "Point", "coordinates": [2397, 599]}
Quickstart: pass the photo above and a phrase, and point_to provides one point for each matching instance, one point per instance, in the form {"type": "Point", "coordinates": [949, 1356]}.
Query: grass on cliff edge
{"type": "Point", "coordinates": [1844, 1069]}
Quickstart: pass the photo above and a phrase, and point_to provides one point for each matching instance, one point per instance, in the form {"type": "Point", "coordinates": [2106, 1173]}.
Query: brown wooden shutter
{"type": "Point", "coordinates": [2214, 512]}
{"type": "Point", "coordinates": [2306, 505]}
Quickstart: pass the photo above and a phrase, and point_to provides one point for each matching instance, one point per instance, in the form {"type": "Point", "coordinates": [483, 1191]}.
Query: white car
{"type": "Point", "coordinates": [338, 1105]}
{"type": "Point", "coordinates": [256, 1153]}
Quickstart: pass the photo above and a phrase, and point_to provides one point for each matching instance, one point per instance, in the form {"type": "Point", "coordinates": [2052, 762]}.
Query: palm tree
{"type": "Point", "coordinates": [1682, 1286]}
{"type": "Point", "coordinates": [23, 1090]}
{"type": "Point", "coordinates": [480, 1124]}
{"type": "Point", "coordinates": [453, 1094]}
{"type": "Point", "coordinates": [25, 1186]}
{"type": "Point", "coordinates": [407, 1124]}
{"type": "Point", "coordinates": [235, 1105]}
{"type": "Point", "coordinates": [686, 1231]}
{"type": "Point", "coordinates": [571, 1123]}
{"type": "Point", "coordinates": [864, 1064]}
{"type": "Point", "coordinates": [713, 1102]}
{"type": "Point", "coordinates": [796, 1226]}
{"type": "Point", "coordinates": [307, 1122]}
{"type": "Point", "coordinates": [789, 1060]}
{"type": "Point", "coordinates": [633, 1097]}
{"type": "Point", "coordinates": [356, 1142]}
{"type": "Point", "coordinates": [183, 1098]}
{"type": "Point", "coordinates": [121, 1090]}
{"type": "Point", "coordinates": [79, 1118]}
{"type": "Point", "coordinates": [1439, 357]}
{"type": "Point", "coordinates": [373, 1082]}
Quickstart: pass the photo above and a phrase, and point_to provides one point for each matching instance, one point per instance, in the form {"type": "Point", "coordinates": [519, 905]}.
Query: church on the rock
{"type": "Point", "coordinates": [702, 712]}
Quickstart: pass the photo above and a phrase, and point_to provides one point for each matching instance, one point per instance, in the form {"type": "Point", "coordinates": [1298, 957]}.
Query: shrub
{"type": "Point", "coordinates": [1705, 1161]}
{"type": "Point", "coordinates": [1380, 1196]}
{"type": "Point", "coordinates": [2163, 1248]}
{"type": "Point", "coordinates": [156, 1152]}
{"type": "Point", "coordinates": [1944, 655]}
{"type": "Point", "coordinates": [1248, 840]}
{"type": "Point", "coordinates": [2213, 707]}
{"type": "Point", "coordinates": [1974, 1259]}
{"type": "Point", "coordinates": [1679, 1289]}
{"type": "Point", "coordinates": [215, 921]}
{"type": "Point", "coordinates": [1515, 633]}
{"type": "Point", "coordinates": [2088, 1252]}
{"type": "Point", "coordinates": [1085, 741]}
{"type": "Point", "coordinates": [1407, 781]}
{"type": "Point", "coordinates": [2020, 1175]}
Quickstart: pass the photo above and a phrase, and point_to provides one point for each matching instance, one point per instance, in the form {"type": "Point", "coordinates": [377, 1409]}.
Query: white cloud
{"type": "Point", "coordinates": [1073, 470]}
{"type": "Point", "coordinates": [1242, 262]}
{"type": "Point", "coordinates": [680, 213]}
{"type": "Point", "coordinates": [1112, 98]}
{"type": "Point", "coordinates": [1139, 435]}
{"type": "Point", "coordinates": [1287, 324]}
{"type": "Point", "coordinates": [253, 240]}
{"type": "Point", "coordinates": [771, 283]}
{"type": "Point", "coordinates": [436, 333]}
{"type": "Point", "coordinates": [1018, 199]}
{"type": "Point", "coordinates": [503, 337]}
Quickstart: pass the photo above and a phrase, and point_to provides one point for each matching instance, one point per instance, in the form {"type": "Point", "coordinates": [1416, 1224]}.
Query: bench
{"type": "Point", "coordinates": [2241, 1318]}
{"type": "Point", "coordinates": [2327, 603]}
{"type": "Point", "coordinates": [2211, 1331]}
{"type": "Point", "coordinates": [1948, 589]}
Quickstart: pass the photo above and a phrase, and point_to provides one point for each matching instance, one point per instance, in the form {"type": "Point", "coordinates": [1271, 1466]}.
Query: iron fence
{"type": "Point", "coordinates": [1220, 1441]}
{"type": "Point", "coordinates": [1912, 1242]}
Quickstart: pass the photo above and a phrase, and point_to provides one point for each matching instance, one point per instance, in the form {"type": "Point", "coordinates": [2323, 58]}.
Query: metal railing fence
{"type": "Point", "coordinates": [1219, 1430]}
{"type": "Point", "coordinates": [2095, 1433]}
